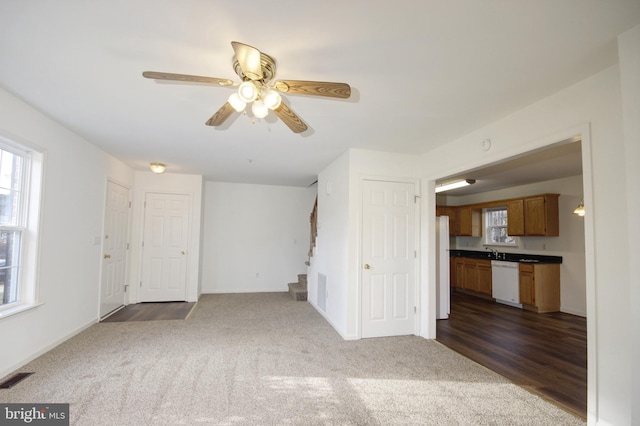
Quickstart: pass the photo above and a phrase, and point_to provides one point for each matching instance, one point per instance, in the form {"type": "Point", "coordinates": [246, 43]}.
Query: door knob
{"type": "Point", "coordinates": [367, 266]}
{"type": "Point", "coordinates": [107, 256]}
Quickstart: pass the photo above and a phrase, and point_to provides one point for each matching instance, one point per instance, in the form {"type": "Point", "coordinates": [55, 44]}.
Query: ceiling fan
{"type": "Point", "coordinates": [256, 70]}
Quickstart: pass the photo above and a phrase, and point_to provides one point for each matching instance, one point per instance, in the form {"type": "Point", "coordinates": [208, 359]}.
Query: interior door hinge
{"type": "Point", "coordinates": [129, 204]}
{"type": "Point", "coordinates": [415, 310]}
{"type": "Point", "coordinates": [415, 254]}
{"type": "Point", "coordinates": [127, 246]}
{"type": "Point", "coordinates": [415, 198]}
{"type": "Point", "coordinates": [140, 283]}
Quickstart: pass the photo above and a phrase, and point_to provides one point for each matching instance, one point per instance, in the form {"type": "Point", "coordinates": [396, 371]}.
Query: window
{"type": "Point", "coordinates": [19, 205]}
{"type": "Point", "coordinates": [495, 220]}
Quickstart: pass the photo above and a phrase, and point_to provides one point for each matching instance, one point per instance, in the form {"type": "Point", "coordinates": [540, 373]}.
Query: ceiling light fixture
{"type": "Point", "coordinates": [454, 185]}
{"type": "Point", "coordinates": [261, 98]}
{"type": "Point", "coordinates": [157, 168]}
{"type": "Point", "coordinates": [579, 211]}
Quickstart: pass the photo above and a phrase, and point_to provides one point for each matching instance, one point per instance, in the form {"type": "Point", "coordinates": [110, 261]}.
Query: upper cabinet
{"type": "Point", "coordinates": [515, 217]}
{"type": "Point", "coordinates": [452, 212]}
{"type": "Point", "coordinates": [533, 216]}
{"type": "Point", "coordinates": [469, 222]}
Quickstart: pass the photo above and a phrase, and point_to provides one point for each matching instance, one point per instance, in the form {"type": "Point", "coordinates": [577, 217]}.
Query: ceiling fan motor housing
{"type": "Point", "coordinates": [267, 63]}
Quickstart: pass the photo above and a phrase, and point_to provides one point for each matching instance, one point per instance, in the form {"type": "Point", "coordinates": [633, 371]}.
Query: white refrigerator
{"type": "Point", "coordinates": [443, 291]}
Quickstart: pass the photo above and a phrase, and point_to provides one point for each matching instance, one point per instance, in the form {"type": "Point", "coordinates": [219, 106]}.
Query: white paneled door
{"type": "Point", "coordinates": [114, 249]}
{"type": "Point", "coordinates": [164, 249]}
{"type": "Point", "coordinates": [388, 259]}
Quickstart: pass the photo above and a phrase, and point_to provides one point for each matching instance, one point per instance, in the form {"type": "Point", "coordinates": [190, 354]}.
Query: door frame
{"type": "Point", "coordinates": [128, 238]}
{"type": "Point", "coordinates": [583, 132]}
{"type": "Point", "coordinates": [358, 268]}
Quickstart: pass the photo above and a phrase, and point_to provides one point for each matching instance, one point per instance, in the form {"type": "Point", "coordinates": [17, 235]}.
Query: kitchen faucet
{"type": "Point", "coordinates": [494, 252]}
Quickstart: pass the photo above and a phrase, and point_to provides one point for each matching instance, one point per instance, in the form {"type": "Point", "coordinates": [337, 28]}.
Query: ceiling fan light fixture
{"type": "Point", "coordinates": [238, 104]}
{"type": "Point", "coordinates": [157, 168]}
{"type": "Point", "coordinates": [248, 92]}
{"type": "Point", "coordinates": [271, 98]}
{"type": "Point", "coordinates": [454, 185]}
{"type": "Point", "coordinates": [259, 109]}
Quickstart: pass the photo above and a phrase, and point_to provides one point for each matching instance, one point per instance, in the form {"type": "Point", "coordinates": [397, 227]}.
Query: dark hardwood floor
{"type": "Point", "coordinates": [544, 353]}
{"type": "Point", "coordinates": [152, 312]}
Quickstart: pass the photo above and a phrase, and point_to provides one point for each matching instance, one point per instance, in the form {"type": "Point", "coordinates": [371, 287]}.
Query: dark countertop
{"type": "Point", "coordinates": [507, 257]}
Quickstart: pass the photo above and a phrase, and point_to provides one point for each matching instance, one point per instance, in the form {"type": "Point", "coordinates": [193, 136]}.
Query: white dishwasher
{"type": "Point", "coordinates": [505, 283]}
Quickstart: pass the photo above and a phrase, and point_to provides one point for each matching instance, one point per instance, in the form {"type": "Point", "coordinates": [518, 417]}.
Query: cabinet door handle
{"type": "Point", "coordinates": [367, 266]}
{"type": "Point", "coordinates": [107, 256]}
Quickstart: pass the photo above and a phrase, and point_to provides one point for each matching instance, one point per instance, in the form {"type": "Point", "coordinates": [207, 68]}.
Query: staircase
{"type": "Point", "coordinates": [299, 290]}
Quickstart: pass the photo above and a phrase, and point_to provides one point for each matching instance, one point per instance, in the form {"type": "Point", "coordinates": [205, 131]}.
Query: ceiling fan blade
{"type": "Point", "coordinates": [314, 88]}
{"type": "Point", "coordinates": [221, 115]}
{"type": "Point", "coordinates": [249, 59]}
{"type": "Point", "coordinates": [290, 118]}
{"type": "Point", "coordinates": [184, 77]}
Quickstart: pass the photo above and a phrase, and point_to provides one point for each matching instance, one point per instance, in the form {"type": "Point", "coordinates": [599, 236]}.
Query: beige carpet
{"type": "Point", "coordinates": [263, 359]}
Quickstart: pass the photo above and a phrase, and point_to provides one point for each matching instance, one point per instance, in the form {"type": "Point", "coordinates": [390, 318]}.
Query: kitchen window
{"type": "Point", "coordinates": [20, 185]}
{"type": "Point", "coordinates": [495, 220]}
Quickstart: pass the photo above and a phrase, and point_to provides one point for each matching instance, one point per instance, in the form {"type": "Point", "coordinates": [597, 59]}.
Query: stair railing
{"type": "Point", "coordinates": [314, 227]}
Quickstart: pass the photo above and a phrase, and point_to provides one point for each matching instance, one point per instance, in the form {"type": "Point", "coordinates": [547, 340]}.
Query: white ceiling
{"type": "Point", "coordinates": [562, 160]}
{"type": "Point", "coordinates": [422, 72]}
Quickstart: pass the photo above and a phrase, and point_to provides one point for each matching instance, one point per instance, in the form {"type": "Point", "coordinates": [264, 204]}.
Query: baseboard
{"type": "Point", "coordinates": [324, 315]}
{"type": "Point", "coordinates": [46, 349]}
{"type": "Point", "coordinates": [572, 312]}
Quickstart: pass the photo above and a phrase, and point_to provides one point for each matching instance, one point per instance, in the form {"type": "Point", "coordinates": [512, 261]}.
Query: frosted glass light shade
{"type": "Point", "coordinates": [248, 92]}
{"type": "Point", "coordinates": [237, 103]}
{"type": "Point", "coordinates": [157, 168]}
{"type": "Point", "coordinates": [259, 109]}
{"type": "Point", "coordinates": [271, 98]}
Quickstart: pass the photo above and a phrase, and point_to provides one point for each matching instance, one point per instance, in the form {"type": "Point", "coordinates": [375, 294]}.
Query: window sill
{"type": "Point", "coordinates": [17, 309]}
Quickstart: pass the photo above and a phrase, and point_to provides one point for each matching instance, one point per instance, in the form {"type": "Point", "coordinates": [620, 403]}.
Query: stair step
{"type": "Point", "coordinates": [298, 292]}
{"type": "Point", "coordinates": [302, 279]}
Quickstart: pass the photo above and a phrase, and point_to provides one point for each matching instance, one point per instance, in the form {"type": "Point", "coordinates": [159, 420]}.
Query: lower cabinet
{"type": "Point", "coordinates": [540, 287]}
{"type": "Point", "coordinates": [484, 277]}
{"type": "Point", "coordinates": [457, 272]}
{"type": "Point", "coordinates": [470, 274]}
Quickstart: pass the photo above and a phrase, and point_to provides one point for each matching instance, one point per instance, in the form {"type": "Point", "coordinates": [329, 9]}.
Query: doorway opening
{"type": "Point", "coordinates": [565, 152]}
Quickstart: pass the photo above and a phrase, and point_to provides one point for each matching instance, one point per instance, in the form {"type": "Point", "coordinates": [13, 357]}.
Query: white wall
{"type": "Point", "coordinates": [629, 48]}
{"type": "Point", "coordinates": [331, 251]}
{"type": "Point", "coordinates": [256, 237]}
{"type": "Point", "coordinates": [170, 183]}
{"type": "Point", "coordinates": [72, 212]}
{"type": "Point", "coordinates": [569, 245]}
{"type": "Point", "coordinates": [592, 109]}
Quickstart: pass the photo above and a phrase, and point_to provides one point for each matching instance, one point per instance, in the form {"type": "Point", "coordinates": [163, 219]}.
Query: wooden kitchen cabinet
{"type": "Point", "coordinates": [540, 287]}
{"type": "Point", "coordinates": [452, 212]}
{"type": "Point", "coordinates": [470, 275]}
{"type": "Point", "coordinates": [483, 276]}
{"type": "Point", "coordinates": [541, 215]}
{"type": "Point", "coordinates": [515, 217]}
{"type": "Point", "coordinates": [533, 216]}
{"type": "Point", "coordinates": [469, 221]}
{"type": "Point", "coordinates": [458, 272]}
